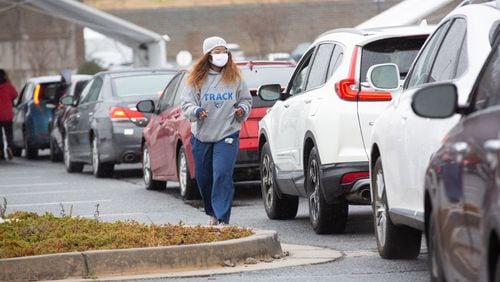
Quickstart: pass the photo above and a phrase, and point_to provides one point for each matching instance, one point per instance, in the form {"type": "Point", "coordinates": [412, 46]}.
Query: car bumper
{"type": "Point", "coordinates": [123, 145]}
{"type": "Point", "coordinates": [247, 165]}
{"type": "Point", "coordinates": [333, 189]}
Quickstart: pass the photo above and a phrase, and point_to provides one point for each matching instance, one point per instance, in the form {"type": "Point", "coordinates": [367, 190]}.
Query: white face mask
{"type": "Point", "coordinates": [219, 60]}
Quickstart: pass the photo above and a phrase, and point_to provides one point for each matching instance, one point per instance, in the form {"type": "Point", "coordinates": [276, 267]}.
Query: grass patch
{"type": "Point", "coordinates": [28, 234]}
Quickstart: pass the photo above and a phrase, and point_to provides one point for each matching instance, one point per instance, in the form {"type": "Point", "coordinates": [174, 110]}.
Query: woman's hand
{"type": "Point", "coordinates": [201, 113]}
{"type": "Point", "coordinates": [239, 112]}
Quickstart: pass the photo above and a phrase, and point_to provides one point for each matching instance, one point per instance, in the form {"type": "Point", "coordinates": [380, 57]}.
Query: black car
{"type": "Point", "coordinates": [105, 129]}
{"type": "Point", "coordinates": [61, 112]}
{"type": "Point", "coordinates": [462, 185]}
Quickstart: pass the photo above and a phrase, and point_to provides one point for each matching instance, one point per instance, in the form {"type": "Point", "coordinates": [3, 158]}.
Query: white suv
{"type": "Point", "coordinates": [402, 142]}
{"type": "Point", "coordinates": [312, 141]}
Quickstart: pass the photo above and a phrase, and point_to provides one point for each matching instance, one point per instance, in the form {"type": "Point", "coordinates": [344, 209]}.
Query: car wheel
{"type": "Point", "coordinates": [147, 173]}
{"type": "Point", "coordinates": [55, 153]}
{"type": "Point", "coordinates": [435, 266]}
{"type": "Point", "coordinates": [497, 270]}
{"type": "Point", "coordinates": [70, 165]}
{"type": "Point", "coordinates": [16, 151]}
{"type": "Point", "coordinates": [276, 207]}
{"type": "Point", "coordinates": [325, 217]}
{"type": "Point", "coordinates": [99, 168]}
{"type": "Point", "coordinates": [187, 185]}
{"type": "Point", "coordinates": [31, 152]}
{"type": "Point", "coordinates": [393, 241]}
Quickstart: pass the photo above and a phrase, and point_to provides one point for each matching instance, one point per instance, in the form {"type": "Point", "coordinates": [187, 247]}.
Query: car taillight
{"type": "Point", "coordinates": [121, 113]}
{"type": "Point", "coordinates": [36, 95]}
{"type": "Point", "coordinates": [348, 91]}
{"type": "Point", "coordinates": [353, 176]}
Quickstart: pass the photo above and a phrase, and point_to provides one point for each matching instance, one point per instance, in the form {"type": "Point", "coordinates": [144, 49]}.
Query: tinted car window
{"type": "Point", "coordinates": [463, 61]}
{"type": "Point", "coordinates": [168, 96]}
{"type": "Point", "coordinates": [145, 84]}
{"type": "Point", "coordinates": [337, 56]}
{"type": "Point", "coordinates": [51, 92]}
{"type": "Point", "coordinates": [400, 51]}
{"type": "Point", "coordinates": [421, 70]}
{"type": "Point", "coordinates": [177, 99]}
{"type": "Point", "coordinates": [260, 75]}
{"type": "Point", "coordinates": [300, 76]}
{"type": "Point", "coordinates": [93, 92]}
{"type": "Point", "coordinates": [488, 87]}
{"type": "Point", "coordinates": [79, 86]}
{"type": "Point", "coordinates": [319, 68]}
{"type": "Point", "coordinates": [446, 62]}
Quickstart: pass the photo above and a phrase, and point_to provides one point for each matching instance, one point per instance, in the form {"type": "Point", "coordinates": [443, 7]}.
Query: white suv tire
{"type": "Point", "coordinates": [393, 241]}
{"type": "Point", "coordinates": [325, 217]}
{"type": "Point", "coordinates": [284, 207]}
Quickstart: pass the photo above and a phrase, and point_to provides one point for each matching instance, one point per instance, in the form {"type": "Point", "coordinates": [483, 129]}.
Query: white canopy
{"type": "Point", "coordinates": [405, 13]}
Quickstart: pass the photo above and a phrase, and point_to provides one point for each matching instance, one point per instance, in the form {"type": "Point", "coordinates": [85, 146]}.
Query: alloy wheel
{"type": "Point", "coordinates": [380, 209]}
{"type": "Point", "coordinates": [66, 154]}
{"type": "Point", "coordinates": [95, 156]}
{"type": "Point", "coordinates": [182, 173]}
{"type": "Point", "coordinates": [268, 181]}
{"type": "Point", "coordinates": [314, 203]}
{"type": "Point", "coordinates": [146, 166]}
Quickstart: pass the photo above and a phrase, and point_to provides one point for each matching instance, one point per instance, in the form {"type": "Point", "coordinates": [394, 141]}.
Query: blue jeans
{"type": "Point", "coordinates": [214, 165]}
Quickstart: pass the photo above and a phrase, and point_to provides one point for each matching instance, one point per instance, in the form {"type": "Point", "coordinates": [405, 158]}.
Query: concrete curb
{"type": "Point", "coordinates": [264, 243]}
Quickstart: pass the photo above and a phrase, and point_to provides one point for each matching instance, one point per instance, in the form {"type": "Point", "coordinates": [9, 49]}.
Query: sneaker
{"type": "Point", "coordinates": [222, 223]}
{"type": "Point", "coordinates": [212, 220]}
{"type": "Point", "coordinates": [9, 153]}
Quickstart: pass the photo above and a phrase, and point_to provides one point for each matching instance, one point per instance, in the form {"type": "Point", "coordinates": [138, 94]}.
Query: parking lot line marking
{"type": "Point", "coordinates": [42, 192]}
{"type": "Point", "coordinates": [20, 177]}
{"type": "Point", "coordinates": [31, 184]}
{"type": "Point", "coordinates": [58, 203]}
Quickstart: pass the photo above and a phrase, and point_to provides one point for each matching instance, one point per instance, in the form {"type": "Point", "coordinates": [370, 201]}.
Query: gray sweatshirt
{"type": "Point", "coordinates": [220, 101]}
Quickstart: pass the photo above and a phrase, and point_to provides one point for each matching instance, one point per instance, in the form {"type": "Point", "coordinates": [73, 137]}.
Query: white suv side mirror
{"type": "Point", "coordinates": [384, 77]}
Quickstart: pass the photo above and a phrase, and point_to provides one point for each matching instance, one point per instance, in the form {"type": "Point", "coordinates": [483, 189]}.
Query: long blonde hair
{"type": "Point", "coordinates": [230, 72]}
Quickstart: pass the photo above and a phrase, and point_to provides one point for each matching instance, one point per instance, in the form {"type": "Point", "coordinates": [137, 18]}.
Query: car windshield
{"type": "Point", "coordinates": [144, 84]}
{"type": "Point", "coordinates": [400, 51]}
{"type": "Point", "coordinates": [256, 77]}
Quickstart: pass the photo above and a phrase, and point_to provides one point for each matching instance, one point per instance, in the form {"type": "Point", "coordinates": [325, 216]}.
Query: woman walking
{"type": "Point", "coordinates": [7, 96]}
{"type": "Point", "coordinates": [216, 100]}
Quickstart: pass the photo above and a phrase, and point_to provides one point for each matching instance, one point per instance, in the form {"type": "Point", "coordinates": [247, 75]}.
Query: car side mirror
{"type": "Point", "coordinates": [436, 101]}
{"type": "Point", "coordinates": [269, 92]}
{"type": "Point", "coordinates": [146, 106]}
{"type": "Point", "coordinates": [383, 77]}
{"type": "Point", "coordinates": [68, 101]}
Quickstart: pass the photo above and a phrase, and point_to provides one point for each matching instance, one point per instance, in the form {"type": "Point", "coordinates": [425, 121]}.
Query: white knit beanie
{"type": "Point", "coordinates": [210, 43]}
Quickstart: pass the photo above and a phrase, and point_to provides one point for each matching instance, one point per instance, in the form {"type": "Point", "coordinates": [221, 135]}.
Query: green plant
{"type": "Point", "coordinates": [27, 234]}
{"type": "Point", "coordinates": [89, 67]}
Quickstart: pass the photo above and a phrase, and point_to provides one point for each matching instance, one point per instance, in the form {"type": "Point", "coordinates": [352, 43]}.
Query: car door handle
{"type": "Point", "coordinates": [91, 114]}
{"type": "Point", "coordinates": [308, 101]}
{"type": "Point", "coordinates": [286, 105]}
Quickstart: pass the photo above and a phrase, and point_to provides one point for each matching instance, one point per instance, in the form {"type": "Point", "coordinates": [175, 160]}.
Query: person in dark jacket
{"type": "Point", "coordinates": [7, 96]}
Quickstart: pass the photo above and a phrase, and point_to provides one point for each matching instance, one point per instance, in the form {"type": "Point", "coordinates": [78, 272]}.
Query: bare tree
{"type": "Point", "coordinates": [267, 27]}
{"type": "Point", "coordinates": [40, 56]}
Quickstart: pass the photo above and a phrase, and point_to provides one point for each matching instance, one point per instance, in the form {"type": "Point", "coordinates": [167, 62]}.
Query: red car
{"type": "Point", "coordinates": [166, 147]}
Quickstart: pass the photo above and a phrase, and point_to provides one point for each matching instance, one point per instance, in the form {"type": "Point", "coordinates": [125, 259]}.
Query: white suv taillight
{"type": "Point", "coordinates": [347, 89]}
